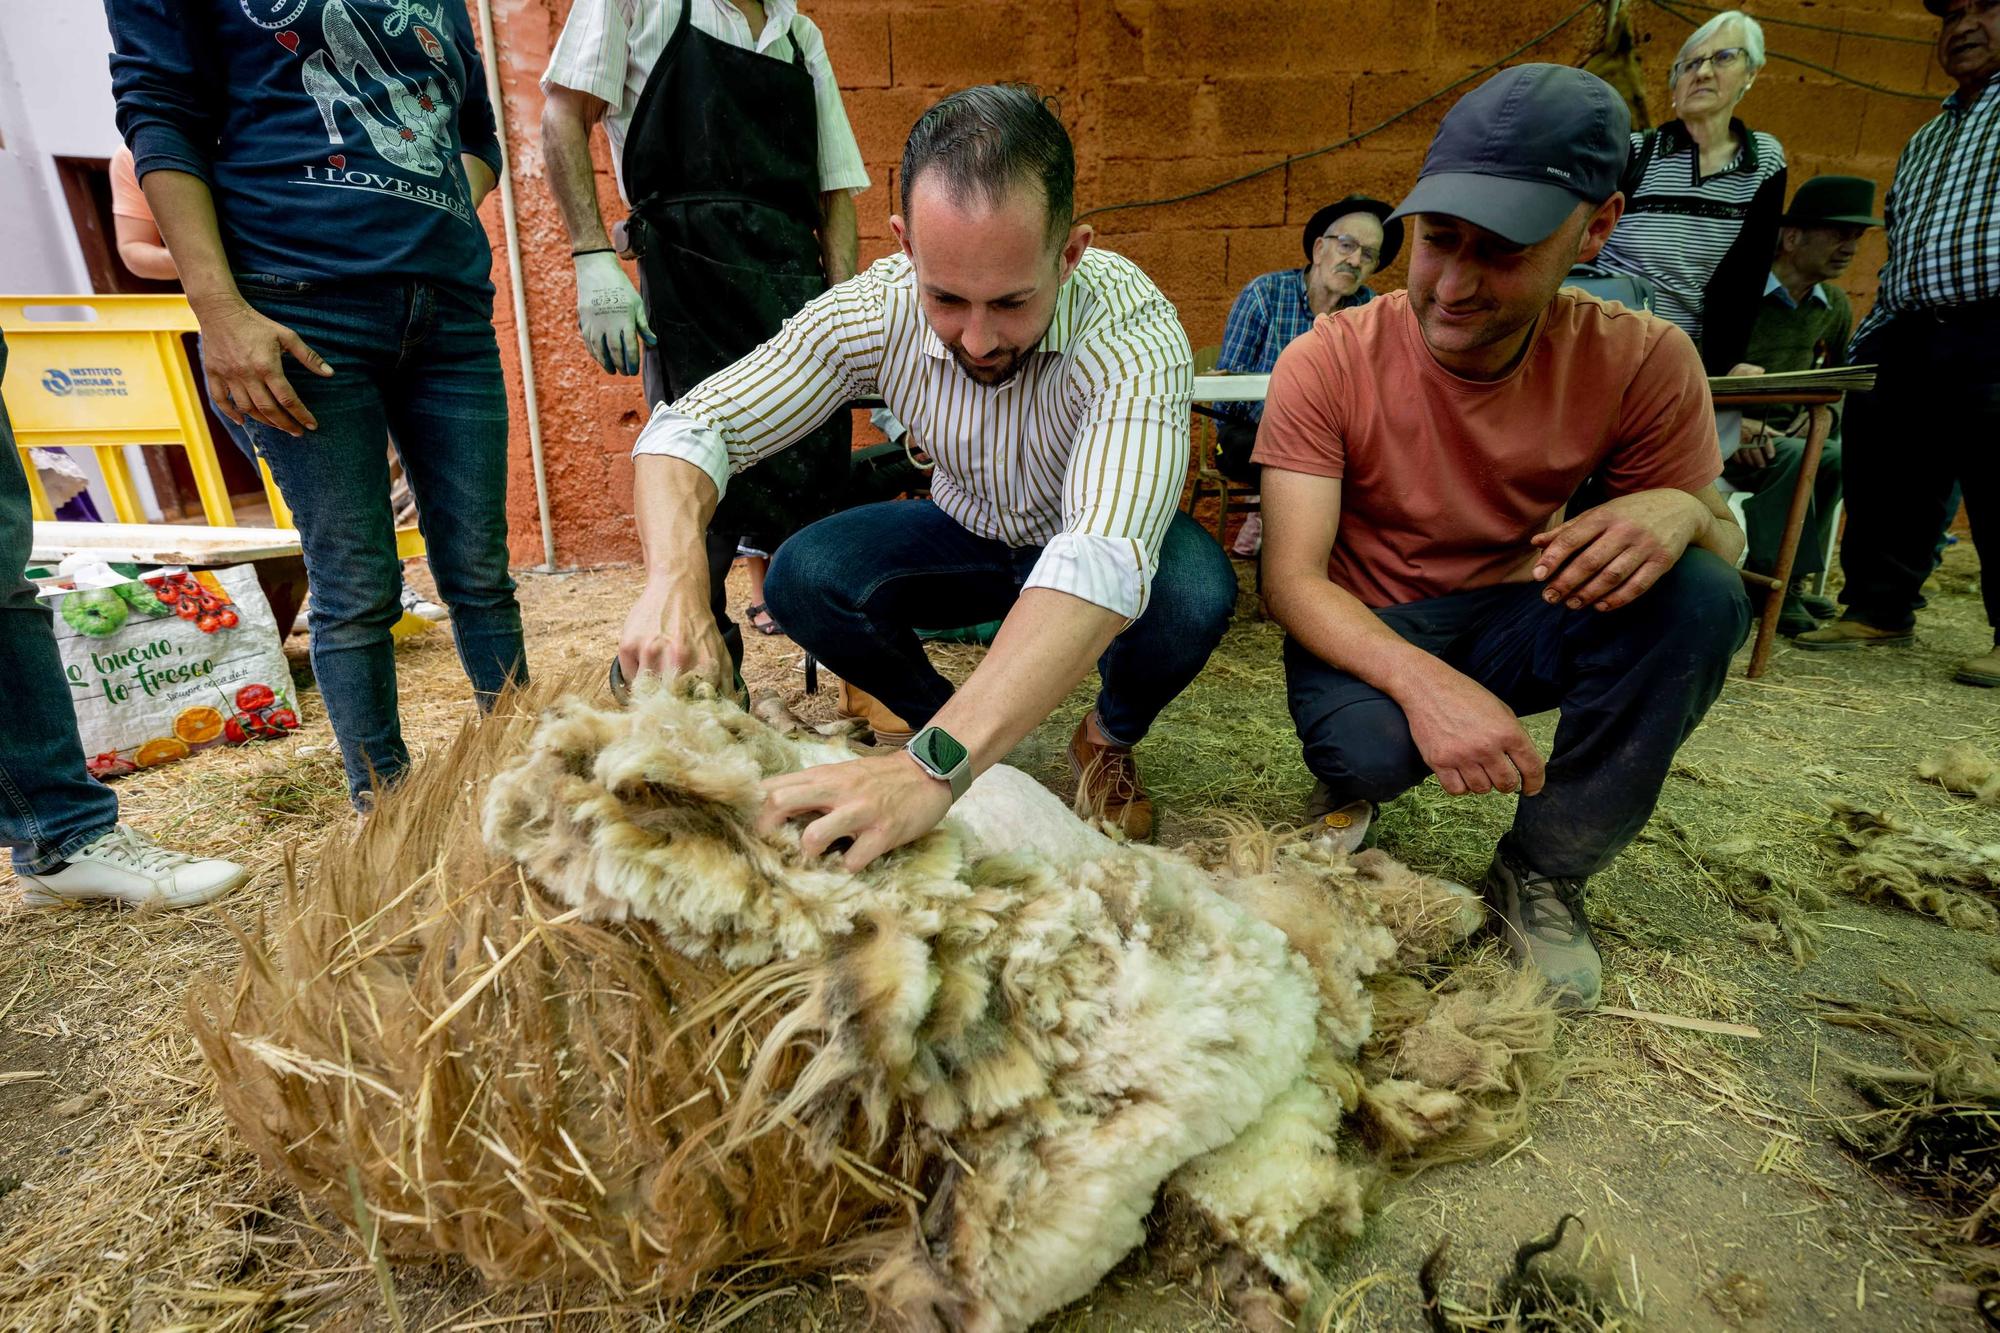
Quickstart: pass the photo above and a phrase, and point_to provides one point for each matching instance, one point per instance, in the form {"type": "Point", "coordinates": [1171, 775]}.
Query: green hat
{"type": "Point", "coordinates": [1832, 201]}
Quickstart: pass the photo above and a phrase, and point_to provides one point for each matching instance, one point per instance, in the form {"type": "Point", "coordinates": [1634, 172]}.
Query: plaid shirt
{"type": "Point", "coordinates": [1269, 312]}
{"type": "Point", "coordinates": [1943, 212]}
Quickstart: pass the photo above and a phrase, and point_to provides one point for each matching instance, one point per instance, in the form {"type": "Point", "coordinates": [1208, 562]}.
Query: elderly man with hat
{"type": "Point", "coordinates": [1420, 455]}
{"type": "Point", "coordinates": [1345, 244]}
{"type": "Point", "coordinates": [1804, 321]}
{"type": "Point", "coordinates": [1934, 331]}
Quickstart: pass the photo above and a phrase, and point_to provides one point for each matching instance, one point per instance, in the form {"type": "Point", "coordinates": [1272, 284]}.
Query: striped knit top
{"type": "Point", "coordinates": [1705, 243]}
{"type": "Point", "coordinates": [1083, 452]}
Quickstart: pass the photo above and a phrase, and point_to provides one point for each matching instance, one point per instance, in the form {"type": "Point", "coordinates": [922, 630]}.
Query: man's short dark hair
{"type": "Point", "coordinates": [988, 138]}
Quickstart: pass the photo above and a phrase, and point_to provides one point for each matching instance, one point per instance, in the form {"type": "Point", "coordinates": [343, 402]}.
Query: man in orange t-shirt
{"type": "Point", "coordinates": [1419, 456]}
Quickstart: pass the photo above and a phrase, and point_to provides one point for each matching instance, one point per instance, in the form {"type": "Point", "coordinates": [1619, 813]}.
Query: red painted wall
{"type": "Point", "coordinates": [1162, 97]}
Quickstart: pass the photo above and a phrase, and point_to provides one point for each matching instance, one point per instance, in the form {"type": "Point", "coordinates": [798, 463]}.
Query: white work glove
{"type": "Point", "coordinates": [610, 313]}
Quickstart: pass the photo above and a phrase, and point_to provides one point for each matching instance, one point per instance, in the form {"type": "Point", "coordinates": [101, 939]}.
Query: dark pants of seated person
{"type": "Point", "coordinates": [853, 589]}
{"type": "Point", "coordinates": [1631, 684]}
{"type": "Point", "coordinates": [1770, 488]}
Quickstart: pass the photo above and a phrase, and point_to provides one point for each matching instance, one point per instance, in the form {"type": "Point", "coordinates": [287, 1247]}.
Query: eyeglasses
{"type": "Point", "coordinates": [1347, 247]}
{"type": "Point", "coordinates": [1729, 57]}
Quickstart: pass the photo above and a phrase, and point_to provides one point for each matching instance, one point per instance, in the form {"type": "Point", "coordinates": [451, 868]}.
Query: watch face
{"type": "Point", "coordinates": [940, 751]}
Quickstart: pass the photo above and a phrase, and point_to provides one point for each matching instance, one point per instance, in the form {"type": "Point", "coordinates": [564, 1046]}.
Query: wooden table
{"type": "Point", "coordinates": [1820, 418]}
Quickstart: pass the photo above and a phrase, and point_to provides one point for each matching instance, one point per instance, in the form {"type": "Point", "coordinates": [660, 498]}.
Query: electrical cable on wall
{"type": "Point", "coordinates": [1484, 70]}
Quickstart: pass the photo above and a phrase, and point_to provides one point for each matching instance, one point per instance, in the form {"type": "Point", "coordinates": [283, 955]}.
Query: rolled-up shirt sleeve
{"type": "Point", "coordinates": [826, 355]}
{"type": "Point", "coordinates": [164, 109]}
{"type": "Point", "coordinates": [1124, 479]}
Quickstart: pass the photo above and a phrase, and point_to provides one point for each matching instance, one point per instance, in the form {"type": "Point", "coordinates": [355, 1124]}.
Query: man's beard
{"type": "Point", "coordinates": [988, 375]}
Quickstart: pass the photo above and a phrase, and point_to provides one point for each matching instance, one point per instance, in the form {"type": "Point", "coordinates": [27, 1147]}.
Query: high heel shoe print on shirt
{"type": "Point", "coordinates": [413, 129]}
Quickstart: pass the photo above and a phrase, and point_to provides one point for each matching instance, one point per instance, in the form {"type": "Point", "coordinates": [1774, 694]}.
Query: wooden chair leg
{"type": "Point", "coordinates": [1788, 547]}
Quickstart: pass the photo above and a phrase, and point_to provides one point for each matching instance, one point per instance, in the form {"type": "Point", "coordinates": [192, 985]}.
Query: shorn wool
{"type": "Point", "coordinates": [562, 1011]}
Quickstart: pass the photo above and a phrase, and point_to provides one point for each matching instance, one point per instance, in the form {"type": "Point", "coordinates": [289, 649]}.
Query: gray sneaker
{"type": "Point", "coordinates": [1542, 920]}
{"type": "Point", "coordinates": [1347, 826]}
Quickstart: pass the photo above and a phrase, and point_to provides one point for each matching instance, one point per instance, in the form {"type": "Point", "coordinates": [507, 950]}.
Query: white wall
{"type": "Point", "coordinates": [55, 100]}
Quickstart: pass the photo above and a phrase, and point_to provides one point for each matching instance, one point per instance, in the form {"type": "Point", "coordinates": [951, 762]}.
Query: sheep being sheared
{"type": "Point", "coordinates": [966, 1070]}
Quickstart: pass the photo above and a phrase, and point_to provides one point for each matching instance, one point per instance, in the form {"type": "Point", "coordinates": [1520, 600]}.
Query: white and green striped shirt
{"type": "Point", "coordinates": [1083, 452]}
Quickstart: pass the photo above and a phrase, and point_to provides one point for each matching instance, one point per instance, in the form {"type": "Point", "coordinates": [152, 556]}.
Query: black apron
{"type": "Point", "coordinates": [722, 164]}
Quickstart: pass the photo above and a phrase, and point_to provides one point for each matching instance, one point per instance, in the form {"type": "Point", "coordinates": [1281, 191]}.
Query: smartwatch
{"type": "Point", "coordinates": [939, 754]}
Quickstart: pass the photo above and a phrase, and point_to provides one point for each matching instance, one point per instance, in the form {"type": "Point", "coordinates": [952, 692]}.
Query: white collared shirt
{"type": "Point", "coordinates": [1083, 452]}
{"type": "Point", "coordinates": [608, 49]}
{"type": "Point", "coordinates": [1813, 293]}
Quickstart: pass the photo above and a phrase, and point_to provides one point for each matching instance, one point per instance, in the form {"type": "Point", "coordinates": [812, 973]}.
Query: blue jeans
{"type": "Point", "coordinates": [853, 589]}
{"type": "Point", "coordinates": [418, 363]}
{"type": "Point", "coordinates": [49, 805]}
{"type": "Point", "coordinates": [1632, 684]}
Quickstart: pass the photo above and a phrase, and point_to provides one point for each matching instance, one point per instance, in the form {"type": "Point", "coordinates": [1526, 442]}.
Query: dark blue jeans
{"type": "Point", "coordinates": [1632, 684]}
{"type": "Point", "coordinates": [49, 805]}
{"type": "Point", "coordinates": [853, 590]}
{"type": "Point", "coordinates": [418, 363]}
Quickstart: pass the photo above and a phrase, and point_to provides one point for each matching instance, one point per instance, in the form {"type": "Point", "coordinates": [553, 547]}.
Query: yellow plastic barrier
{"type": "Point", "coordinates": [102, 372]}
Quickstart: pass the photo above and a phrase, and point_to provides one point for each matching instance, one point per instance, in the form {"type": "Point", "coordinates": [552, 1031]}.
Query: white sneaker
{"type": "Point", "coordinates": [126, 866]}
{"type": "Point", "coordinates": [422, 607]}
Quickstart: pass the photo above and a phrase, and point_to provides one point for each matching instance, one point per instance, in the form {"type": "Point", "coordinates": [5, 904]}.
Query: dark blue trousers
{"type": "Point", "coordinates": [1632, 684]}
{"type": "Point", "coordinates": [853, 590]}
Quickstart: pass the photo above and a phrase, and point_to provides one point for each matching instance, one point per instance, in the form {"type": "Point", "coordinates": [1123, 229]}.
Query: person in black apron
{"type": "Point", "coordinates": [722, 164]}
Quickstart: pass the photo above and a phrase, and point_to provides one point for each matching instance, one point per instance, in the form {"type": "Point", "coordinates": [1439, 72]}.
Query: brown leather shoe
{"type": "Point", "coordinates": [857, 703]}
{"type": "Point", "coordinates": [1844, 635]}
{"type": "Point", "coordinates": [1107, 781]}
{"type": "Point", "coordinates": [1984, 671]}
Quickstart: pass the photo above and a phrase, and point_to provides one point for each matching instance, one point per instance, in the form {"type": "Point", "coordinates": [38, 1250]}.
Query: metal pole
{"type": "Point", "coordinates": [491, 50]}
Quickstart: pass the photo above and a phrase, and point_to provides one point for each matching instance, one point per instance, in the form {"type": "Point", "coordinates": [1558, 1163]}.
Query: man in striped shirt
{"type": "Point", "coordinates": [1935, 333]}
{"type": "Point", "coordinates": [1051, 383]}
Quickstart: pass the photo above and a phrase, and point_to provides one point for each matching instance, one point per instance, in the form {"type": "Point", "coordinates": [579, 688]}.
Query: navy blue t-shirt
{"type": "Point", "coordinates": [329, 131]}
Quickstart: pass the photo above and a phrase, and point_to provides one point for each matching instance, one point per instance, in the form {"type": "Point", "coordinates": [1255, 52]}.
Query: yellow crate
{"type": "Point", "coordinates": [101, 372]}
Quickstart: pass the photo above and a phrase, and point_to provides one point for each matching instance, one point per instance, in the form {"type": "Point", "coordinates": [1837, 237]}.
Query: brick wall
{"type": "Point", "coordinates": [1164, 97]}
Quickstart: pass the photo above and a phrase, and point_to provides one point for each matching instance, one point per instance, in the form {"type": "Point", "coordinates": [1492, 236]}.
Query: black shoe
{"type": "Point", "coordinates": [1541, 919]}
{"type": "Point", "coordinates": [1794, 618]}
{"type": "Point", "coordinates": [1818, 607]}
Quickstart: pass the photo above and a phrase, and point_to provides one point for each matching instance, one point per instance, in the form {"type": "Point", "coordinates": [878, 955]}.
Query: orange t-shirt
{"type": "Point", "coordinates": [1443, 479]}
{"type": "Point", "coordinates": [127, 199]}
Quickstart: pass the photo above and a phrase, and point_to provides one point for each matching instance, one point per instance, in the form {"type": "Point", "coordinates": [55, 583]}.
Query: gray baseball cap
{"type": "Point", "coordinates": [1517, 153]}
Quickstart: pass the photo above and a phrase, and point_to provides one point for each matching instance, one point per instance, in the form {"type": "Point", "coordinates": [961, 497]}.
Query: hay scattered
{"type": "Point", "coordinates": [1776, 899]}
{"type": "Point", "coordinates": [1965, 770]}
{"type": "Point", "coordinates": [1936, 1126]}
{"type": "Point", "coordinates": [1938, 873]}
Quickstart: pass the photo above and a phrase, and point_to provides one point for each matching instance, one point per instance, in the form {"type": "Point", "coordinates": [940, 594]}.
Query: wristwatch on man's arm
{"type": "Point", "coordinates": [939, 754]}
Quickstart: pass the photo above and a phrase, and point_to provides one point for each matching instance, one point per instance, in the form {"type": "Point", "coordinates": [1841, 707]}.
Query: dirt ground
{"type": "Point", "coordinates": [1703, 1166]}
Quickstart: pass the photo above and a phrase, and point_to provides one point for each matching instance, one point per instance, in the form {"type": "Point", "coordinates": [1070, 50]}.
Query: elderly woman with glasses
{"type": "Point", "coordinates": [1703, 195]}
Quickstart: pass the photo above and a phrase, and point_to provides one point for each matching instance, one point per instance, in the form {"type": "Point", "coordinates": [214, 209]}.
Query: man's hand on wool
{"type": "Point", "coordinates": [876, 804]}
{"type": "Point", "coordinates": [1470, 739]}
{"type": "Point", "coordinates": [1604, 558]}
{"type": "Point", "coordinates": [671, 632]}
{"type": "Point", "coordinates": [243, 359]}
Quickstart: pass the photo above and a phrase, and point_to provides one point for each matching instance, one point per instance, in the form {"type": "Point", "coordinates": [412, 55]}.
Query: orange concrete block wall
{"type": "Point", "coordinates": [1165, 97]}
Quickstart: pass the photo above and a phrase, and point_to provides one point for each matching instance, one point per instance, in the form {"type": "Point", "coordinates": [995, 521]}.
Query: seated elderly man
{"type": "Point", "coordinates": [1345, 243]}
{"type": "Point", "coordinates": [1418, 457]}
{"type": "Point", "coordinates": [1803, 322]}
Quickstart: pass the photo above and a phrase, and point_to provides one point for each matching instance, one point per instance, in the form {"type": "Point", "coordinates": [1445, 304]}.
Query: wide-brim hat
{"type": "Point", "coordinates": [1833, 200]}
{"type": "Point", "coordinates": [1392, 232]}
{"type": "Point", "coordinates": [1937, 7]}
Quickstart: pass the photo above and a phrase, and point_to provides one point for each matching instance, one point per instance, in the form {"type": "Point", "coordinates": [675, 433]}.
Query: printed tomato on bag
{"type": "Point", "coordinates": [170, 663]}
